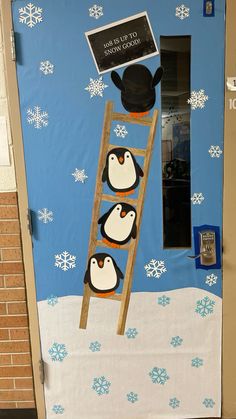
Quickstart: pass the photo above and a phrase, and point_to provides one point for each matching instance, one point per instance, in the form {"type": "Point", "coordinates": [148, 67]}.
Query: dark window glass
{"type": "Point", "coordinates": [175, 92]}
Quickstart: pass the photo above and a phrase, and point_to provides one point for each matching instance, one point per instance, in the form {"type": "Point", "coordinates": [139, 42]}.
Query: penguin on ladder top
{"type": "Point", "coordinates": [137, 88]}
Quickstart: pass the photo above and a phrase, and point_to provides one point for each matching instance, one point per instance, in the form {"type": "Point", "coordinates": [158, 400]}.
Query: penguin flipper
{"type": "Point", "coordinates": [134, 231]}
{"type": "Point", "coordinates": [102, 219]}
{"type": "Point", "coordinates": [104, 174]}
{"type": "Point", "coordinates": [157, 76]}
{"type": "Point", "coordinates": [117, 81]}
{"type": "Point", "coordinates": [87, 277]}
{"type": "Point", "coordinates": [139, 170]}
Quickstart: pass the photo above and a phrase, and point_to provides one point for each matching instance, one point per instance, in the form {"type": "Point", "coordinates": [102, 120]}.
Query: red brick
{"type": "Point", "coordinates": [21, 359]}
{"type": "Point", "coordinates": [16, 395]}
{"type": "Point", "coordinates": [8, 405]}
{"type": "Point", "coordinates": [5, 359]}
{"type": "Point", "coordinates": [26, 383]}
{"type": "Point", "coordinates": [11, 347]}
{"type": "Point", "coordinates": [6, 384]}
{"type": "Point", "coordinates": [8, 198]}
{"type": "Point", "coordinates": [4, 334]}
{"type": "Point", "coordinates": [11, 268]}
{"type": "Point", "coordinates": [19, 334]}
{"type": "Point", "coordinates": [9, 227]}
{"type": "Point", "coordinates": [3, 308]}
{"type": "Point", "coordinates": [10, 240]}
{"type": "Point", "coordinates": [12, 295]}
{"type": "Point", "coordinates": [15, 281]}
{"type": "Point", "coordinates": [13, 321]}
{"type": "Point", "coordinates": [25, 405]}
{"type": "Point", "coordinates": [17, 308]}
{"type": "Point", "coordinates": [12, 254]}
{"type": "Point", "coordinates": [2, 285]}
{"type": "Point", "coordinates": [18, 371]}
{"type": "Point", "coordinates": [9, 213]}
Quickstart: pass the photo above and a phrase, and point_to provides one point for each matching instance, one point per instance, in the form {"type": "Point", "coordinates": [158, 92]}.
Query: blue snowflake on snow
{"type": "Point", "coordinates": [176, 341]}
{"type": "Point", "coordinates": [58, 409]}
{"type": "Point", "coordinates": [132, 397]}
{"type": "Point", "coordinates": [101, 385]}
{"type": "Point", "coordinates": [131, 333]}
{"type": "Point", "coordinates": [197, 362]}
{"type": "Point", "coordinates": [159, 375]}
{"type": "Point", "coordinates": [205, 306]}
{"type": "Point", "coordinates": [163, 301]}
{"type": "Point", "coordinates": [95, 346]}
{"type": "Point", "coordinates": [52, 300]}
{"type": "Point", "coordinates": [58, 352]}
{"type": "Point", "coordinates": [174, 403]}
{"type": "Point", "coordinates": [209, 403]}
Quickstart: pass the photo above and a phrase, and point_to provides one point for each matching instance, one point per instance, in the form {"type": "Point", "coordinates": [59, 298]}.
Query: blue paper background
{"type": "Point", "coordinates": [72, 138]}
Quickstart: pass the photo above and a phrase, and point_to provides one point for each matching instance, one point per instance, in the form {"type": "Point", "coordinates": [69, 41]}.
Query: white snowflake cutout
{"type": "Point", "coordinates": [38, 118]}
{"type": "Point", "coordinates": [197, 198]}
{"type": "Point", "coordinates": [215, 151]}
{"type": "Point", "coordinates": [30, 15]}
{"type": "Point", "coordinates": [120, 131]}
{"type": "Point", "coordinates": [198, 99]}
{"type": "Point", "coordinates": [79, 175]}
{"type": "Point", "coordinates": [46, 67]}
{"type": "Point", "coordinates": [45, 215]}
{"type": "Point", "coordinates": [96, 87]}
{"type": "Point", "coordinates": [96, 11]}
{"type": "Point", "coordinates": [211, 280]}
{"type": "Point", "coordinates": [182, 12]}
{"type": "Point", "coordinates": [155, 268]}
{"type": "Point", "coordinates": [65, 261]}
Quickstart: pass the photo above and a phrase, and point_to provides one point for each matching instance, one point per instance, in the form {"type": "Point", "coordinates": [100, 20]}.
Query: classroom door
{"type": "Point", "coordinates": [122, 109]}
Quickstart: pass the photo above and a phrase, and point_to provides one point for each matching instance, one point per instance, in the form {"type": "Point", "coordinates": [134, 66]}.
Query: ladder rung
{"type": "Point", "coordinates": [116, 297]}
{"type": "Point", "coordinates": [135, 151]}
{"type": "Point", "coordinates": [113, 198]}
{"type": "Point", "coordinates": [126, 118]}
{"type": "Point", "coordinates": [101, 243]}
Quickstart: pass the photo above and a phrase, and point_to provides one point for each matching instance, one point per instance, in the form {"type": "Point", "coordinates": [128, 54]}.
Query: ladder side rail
{"type": "Point", "coordinates": [134, 244]}
{"type": "Point", "coordinates": [96, 206]}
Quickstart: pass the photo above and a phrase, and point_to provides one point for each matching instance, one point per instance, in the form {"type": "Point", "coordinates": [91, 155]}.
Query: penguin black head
{"type": "Point", "coordinates": [137, 87]}
{"type": "Point", "coordinates": [122, 155]}
{"type": "Point", "coordinates": [102, 261]}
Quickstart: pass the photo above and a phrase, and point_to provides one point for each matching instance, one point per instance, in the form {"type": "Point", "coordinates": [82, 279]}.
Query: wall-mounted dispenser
{"type": "Point", "coordinates": [207, 247]}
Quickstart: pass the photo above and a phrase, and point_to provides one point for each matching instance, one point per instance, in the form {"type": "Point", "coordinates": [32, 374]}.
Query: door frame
{"type": "Point", "coordinates": [229, 225]}
{"type": "Point", "coordinates": [15, 124]}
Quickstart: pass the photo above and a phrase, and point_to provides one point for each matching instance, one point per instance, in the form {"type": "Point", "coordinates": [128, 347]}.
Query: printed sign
{"type": "Point", "coordinates": [123, 42]}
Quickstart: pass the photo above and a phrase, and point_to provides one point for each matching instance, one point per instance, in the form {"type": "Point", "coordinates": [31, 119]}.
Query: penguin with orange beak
{"type": "Point", "coordinates": [118, 225]}
{"type": "Point", "coordinates": [122, 172]}
{"type": "Point", "coordinates": [103, 275]}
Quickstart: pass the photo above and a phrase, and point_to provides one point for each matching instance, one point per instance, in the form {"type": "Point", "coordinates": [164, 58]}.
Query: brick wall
{"type": "Point", "coordinates": [16, 383]}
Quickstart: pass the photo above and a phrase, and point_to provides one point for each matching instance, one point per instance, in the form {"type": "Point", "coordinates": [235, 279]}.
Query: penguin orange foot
{"type": "Point", "coordinates": [105, 294]}
{"type": "Point", "coordinates": [110, 244]}
{"type": "Point", "coordinates": [123, 194]}
{"type": "Point", "coordinates": [139, 114]}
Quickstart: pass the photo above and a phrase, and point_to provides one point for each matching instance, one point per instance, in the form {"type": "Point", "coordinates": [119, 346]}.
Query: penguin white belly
{"type": "Point", "coordinates": [103, 279]}
{"type": "Point", "coordinates": [122, 176]}
{"type": "Point", "coordinates": [119, 228]}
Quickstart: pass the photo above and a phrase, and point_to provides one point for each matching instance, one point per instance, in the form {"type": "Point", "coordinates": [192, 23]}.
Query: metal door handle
{"type": "Point", "coordinates": [206, 252]}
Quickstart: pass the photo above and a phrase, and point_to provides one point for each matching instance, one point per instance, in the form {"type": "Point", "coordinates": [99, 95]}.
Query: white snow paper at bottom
{"type": "Point", "coordinates": [4, 146]}
{"type": "Point", "coordinates": [126, 362]}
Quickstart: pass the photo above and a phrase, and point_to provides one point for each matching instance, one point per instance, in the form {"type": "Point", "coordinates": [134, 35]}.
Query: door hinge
{"type": "Point", "coordinates": [13, 45]}
{"type": "Point", "coordinates": [29, 219]}
{"type": "Point", "coordinates": [41, 371]}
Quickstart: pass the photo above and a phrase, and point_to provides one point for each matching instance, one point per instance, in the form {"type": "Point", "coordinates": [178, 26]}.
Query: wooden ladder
{"type": "Point", "coordinates": [131, 247]}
